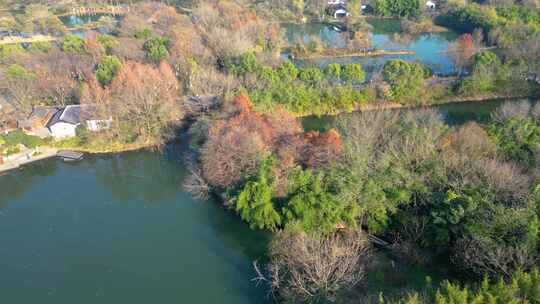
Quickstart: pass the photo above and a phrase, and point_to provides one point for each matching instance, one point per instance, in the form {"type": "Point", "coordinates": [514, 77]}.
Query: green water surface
{"type": "Point", "coordinates": [120, 229]}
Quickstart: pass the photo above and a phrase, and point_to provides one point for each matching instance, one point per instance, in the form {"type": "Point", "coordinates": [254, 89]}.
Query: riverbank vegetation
{"type": "Point", "coordinates": [467, 195]}
{"type": "Point", "coordinates": [424, 191]}
{"type": "Point", "coordinates": [301, 90]}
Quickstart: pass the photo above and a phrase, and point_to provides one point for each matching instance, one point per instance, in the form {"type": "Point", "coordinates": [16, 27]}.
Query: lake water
{"type": "Point", "coordinates": [430, 48]}
{"type": "Point", "coordinates": [120, 229]}
{"type": "Point", "coordinates": [76, 23]}
{"type": "Point", "coordinates": [454, 114]}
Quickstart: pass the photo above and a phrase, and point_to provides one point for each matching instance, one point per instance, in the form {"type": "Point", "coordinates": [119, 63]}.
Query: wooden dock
{"type": "Point", "coordinates": [70, 155]}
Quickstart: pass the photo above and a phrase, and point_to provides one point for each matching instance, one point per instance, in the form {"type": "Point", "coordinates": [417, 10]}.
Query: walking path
{"type": "Point", "coordinates": [26, 157]}
{"type": "Point", "coordinates": [101, 10]}
{"type": "Point", "coordinates": [32, 39]}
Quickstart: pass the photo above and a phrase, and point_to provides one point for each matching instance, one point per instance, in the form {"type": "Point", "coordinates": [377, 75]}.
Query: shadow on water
{"type": "Point", "coordinates": [15, 183]}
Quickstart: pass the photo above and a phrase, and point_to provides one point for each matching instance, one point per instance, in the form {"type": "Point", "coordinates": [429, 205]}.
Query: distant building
{"type": "Point", "coordinates": [336, 2]}
{"type": "Point", "coordinates": [430, 4]}
{"type": "Point", "coordinates": [338, 11]}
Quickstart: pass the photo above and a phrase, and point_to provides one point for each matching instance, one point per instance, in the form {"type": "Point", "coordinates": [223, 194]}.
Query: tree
{"type": "Point", "coordinates": [485, 58]}
{"type": "Point", "coordinates": [254, 203]}
{"type": "Point", "coordinates": [333, 71]}
{"type": "Point", "coordinates": [311, 76]}
{"type": "Point", "coordinates": [352, 73]}
{"type": "Point", "coordinates": [235, 147]}
{"type": "Point", "coordinates": [397, 8]}
{"type": "Point", "coordinates": [517, 135]}
{"type": "Point", "coordinates": [355, 8]}
{"type": "Point", "coordinates": [73, 44]}
{"type": "Point", "coordinates": [462, 51]}
{"type": "Point", "coordinates": [315, 207]}
{"type": "Point", "coordinates": [317, 8]}
{"type": "Point", "coordinates": [40, 46]}
{"type": "Point", "coordinates": [8, 51]}
{"type": "Point", "coordinates": [8, 23]}
{"type": "Point", "coordinates": [522, 287]}
{"type": "Point", "coordinates": [56, 83]}
{"type": "Point", "coordinates": [108, 42]}
{"type": "Point", "coordinates": [21, 85]}
{"type": "Point", "coordinates": [157, 49]}
{"type": "Point", "coordinates": [107, 69]}
{"type": "Point", "coordinates": [406, 80]}
{"type": "Point", "coordinates": [287, 71]}
{"type": "Point", "coordinates": [146, 101]}
{"type": "Point", "coordinates": [308, 269]}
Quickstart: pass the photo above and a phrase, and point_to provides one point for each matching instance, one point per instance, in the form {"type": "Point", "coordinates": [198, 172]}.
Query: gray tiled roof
{"type": "Point", "coordinates": [70, 114]}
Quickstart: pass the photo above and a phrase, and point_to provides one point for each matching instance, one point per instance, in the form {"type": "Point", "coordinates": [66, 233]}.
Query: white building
{"type": "Point", "coordinates": [65, 121]}
{"type": "Point", "coordinates": [93, 119]}
{"type": "Point", "coordinates": [340, 13]}
{"type": "Point", "coordinates": [430, 4]}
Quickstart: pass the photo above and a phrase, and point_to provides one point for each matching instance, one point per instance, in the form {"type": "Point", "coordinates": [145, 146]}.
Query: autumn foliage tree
{"type": "Point", "coordinates": [236, 146]}
{"type": "Point", "coordinates": [462, 51]}
{"type": "Point", "coordinates": [145, 100]}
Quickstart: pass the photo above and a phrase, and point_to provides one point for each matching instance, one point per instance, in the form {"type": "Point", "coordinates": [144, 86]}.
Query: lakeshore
{"type": "Point", "coordinates": [337, 53]}
{"type": "Point", "coordinates": [27, 157]}
{"type": "Point", "coordinates": [46, 152]}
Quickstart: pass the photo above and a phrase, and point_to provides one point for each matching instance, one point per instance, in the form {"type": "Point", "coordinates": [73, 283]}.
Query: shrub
{"type": "Point", "coordinates": [7, 51]}
{"type": "Point", "coordinates": [40, 46]}
{"type": "Point", "coordinates": [73, 44]}
{"type": "Point", "coordinates": [107, 69]}
{"type": "Point", "coordinates": [352, 73]}
{"type": "Point", "coordinates": [254, 203]}
{"type": "Point", "coordinates": [108, 42]}
{"type": "Point", "coordinates": [157, 48]}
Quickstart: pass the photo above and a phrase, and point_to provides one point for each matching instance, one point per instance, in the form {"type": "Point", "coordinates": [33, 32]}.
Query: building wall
{"type": "Point", "coordinates": [62, 130]}
{"type": "Point", "coordinates": [98, 125]}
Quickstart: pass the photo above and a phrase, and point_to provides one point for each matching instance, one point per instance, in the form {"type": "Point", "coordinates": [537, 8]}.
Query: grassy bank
{"type": "Point", "coordinates": [341, 53]}
{"type": "Point", "coordinates": [101, 147]}
{"type": "Point", "coordinates": [380, 105]}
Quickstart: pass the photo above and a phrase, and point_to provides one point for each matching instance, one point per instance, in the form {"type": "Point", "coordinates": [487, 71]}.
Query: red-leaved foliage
{"type": "Point", "coordinates": [322, 148]}
{"type": "Point", "coordinates": [466, 45]}
{"type": "Point", "coordinates": [236, 145]}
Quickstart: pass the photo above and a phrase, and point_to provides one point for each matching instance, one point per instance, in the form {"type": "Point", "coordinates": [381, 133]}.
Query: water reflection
{"type": "Point", "coordinates": [122, 175]}
{"type": "Point", "coordinates": [15, 183]}
{"type": "Point", "coordinates": [453, 114]}
{"type": "Point", "coordinates": [430, 49]}
{"type": "Point", "coordinates": [82, 239]}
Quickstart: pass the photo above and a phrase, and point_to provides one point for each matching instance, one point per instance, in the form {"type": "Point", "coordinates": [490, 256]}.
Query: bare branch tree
{"type": "Point", "coordinates": [306, 268]}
